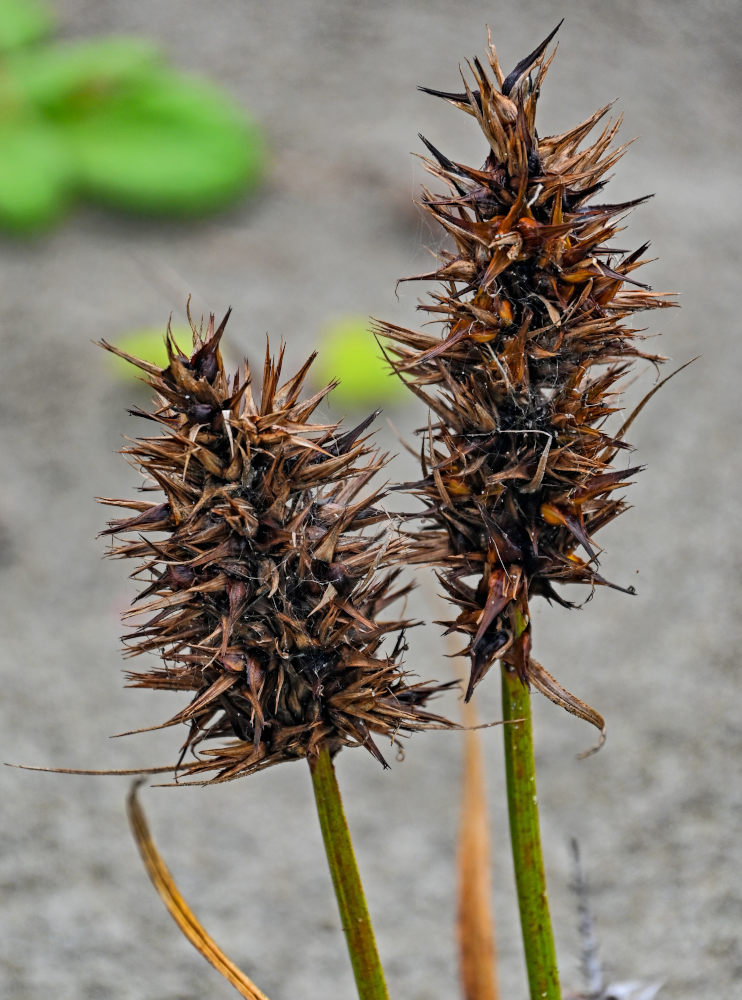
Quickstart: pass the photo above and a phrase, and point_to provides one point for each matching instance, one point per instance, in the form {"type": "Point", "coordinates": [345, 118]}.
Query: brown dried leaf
{"type": "Point", "coordinates": [553, 690]}
{"type": "Point", "coordinates": [179, 910]}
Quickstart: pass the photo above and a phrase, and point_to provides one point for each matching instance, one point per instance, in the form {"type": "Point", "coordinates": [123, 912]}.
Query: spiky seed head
{"type": "Point", "coordinates": [535, 307]}
{"type": "Point", "coordinates": [262, 591]}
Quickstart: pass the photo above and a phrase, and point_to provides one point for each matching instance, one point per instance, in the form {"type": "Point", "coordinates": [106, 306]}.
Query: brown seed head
{"type": "Point", "coordinates": [262, 591]}
{"type": "Point", "coordinates": [535, 306]}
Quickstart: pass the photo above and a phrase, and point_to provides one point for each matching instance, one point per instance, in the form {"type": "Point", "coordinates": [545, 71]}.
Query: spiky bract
{"type": "Point", "coordinates": [263, 593]}
{"type": "Point", "coordinates": [517, 467]}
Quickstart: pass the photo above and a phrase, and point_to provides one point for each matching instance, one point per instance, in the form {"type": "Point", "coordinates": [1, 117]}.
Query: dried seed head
{"type": "Point", "coordinates": [534, 302]}
{"type": "Point", "coordinates": [262, 592]}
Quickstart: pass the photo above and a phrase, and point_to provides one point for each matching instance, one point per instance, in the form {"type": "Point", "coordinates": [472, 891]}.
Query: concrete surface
{"type": "Point", "coordinates": [658, 811]}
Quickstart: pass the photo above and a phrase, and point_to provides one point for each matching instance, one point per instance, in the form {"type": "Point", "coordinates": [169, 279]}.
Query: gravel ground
{"type": "Point", "coordinates": [658, 811]}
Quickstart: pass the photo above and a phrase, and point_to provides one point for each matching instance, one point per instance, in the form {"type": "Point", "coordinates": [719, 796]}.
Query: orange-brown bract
{"type": "Point", "coordinates": [534, 303]}
{"type": "Point", "coordinates": [262, 591]}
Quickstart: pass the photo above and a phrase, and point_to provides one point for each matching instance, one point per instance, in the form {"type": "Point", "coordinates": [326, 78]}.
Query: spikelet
{"type": "Point", "coordinates": [262, 592]}
{"type": "Point", "coordinates": [534, 303]}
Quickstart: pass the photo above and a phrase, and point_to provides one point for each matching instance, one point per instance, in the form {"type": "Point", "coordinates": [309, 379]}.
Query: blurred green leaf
{"type": "Point", "coordinates": [123, 129]}
{"type": "Point", "coordinates": [66, 79]}
{"type": "Point", "coordinates": [349, 352]}
{"type": "Point", "coordinates": [22, 22]}
{"type": "Point", "coordinates": [36, 175]}
{"type": "Point", "coordinates": [175, 146]}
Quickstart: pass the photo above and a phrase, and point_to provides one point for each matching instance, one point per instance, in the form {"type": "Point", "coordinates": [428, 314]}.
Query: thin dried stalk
{"type": "Point", "coordinates": [475, 922]}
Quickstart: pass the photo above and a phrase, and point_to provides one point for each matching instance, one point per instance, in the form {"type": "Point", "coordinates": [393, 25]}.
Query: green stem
{"type": "Point", "coordinates": [359, 933]}
{"type": "Point", "coordinates": [538, 939]}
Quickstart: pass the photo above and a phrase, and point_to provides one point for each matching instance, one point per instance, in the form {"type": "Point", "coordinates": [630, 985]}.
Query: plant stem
{"type": "Point", "coordinates": [359, 933]}
{"type": "Point", "coordinates": [538, 939]}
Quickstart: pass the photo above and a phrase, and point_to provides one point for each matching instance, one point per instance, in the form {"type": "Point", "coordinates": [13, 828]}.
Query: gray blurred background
{"type": "Point", "coordinates": [658, 811]}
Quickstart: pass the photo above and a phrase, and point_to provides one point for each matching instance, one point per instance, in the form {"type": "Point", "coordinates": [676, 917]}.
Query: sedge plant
{"type": "Point", "coordinates": [520, 464]}
{"type": "Point", "coordinates": [265, 555]}
{"type": "Point", "coordinates": [265, 596]}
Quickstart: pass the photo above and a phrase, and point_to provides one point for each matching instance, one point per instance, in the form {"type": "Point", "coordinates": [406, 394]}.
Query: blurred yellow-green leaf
{"type": "Point", "coordinates": [148, 344]}
{"type": "Point", "coordinates": [22, 22]}
{"type": "Point", "coordinates": [349, 352]}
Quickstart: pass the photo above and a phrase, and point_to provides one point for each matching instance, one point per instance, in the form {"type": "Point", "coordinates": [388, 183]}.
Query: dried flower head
{"type": "Point", "coordinates": [517, 466]}
{"type": "Point", "coordinates": [262, 591]}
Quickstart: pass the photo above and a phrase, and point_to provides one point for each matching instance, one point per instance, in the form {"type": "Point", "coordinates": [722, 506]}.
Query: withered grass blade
{"type": "Point", "coordinates": [475, 923]}
{"type": "Point", "coordinates": [179, 910]}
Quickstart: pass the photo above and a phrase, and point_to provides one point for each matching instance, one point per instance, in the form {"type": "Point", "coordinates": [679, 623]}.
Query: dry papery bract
{"type": "Point", "coordinates": [518, 461]}
{"type": "Point", "coordinates": [263, 585]}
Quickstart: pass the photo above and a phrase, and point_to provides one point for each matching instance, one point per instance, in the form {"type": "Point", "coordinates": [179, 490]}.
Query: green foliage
{"type": "Point", "coordinates": [63, 80]}
{"type": "Point", "coordinates": [22, 22]}
{"type": "Point", "coordinates": [107, 119]}
{"type": "Point", "coordinates": [349, 352]}
{"type": "Point", "coordinates": [36, 175]}
{"type": "Point", "coordinates": [171, 146]}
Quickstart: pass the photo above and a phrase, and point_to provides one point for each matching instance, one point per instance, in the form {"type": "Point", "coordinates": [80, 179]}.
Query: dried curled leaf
{"type": "Point", "coordinates": [543, 681]}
